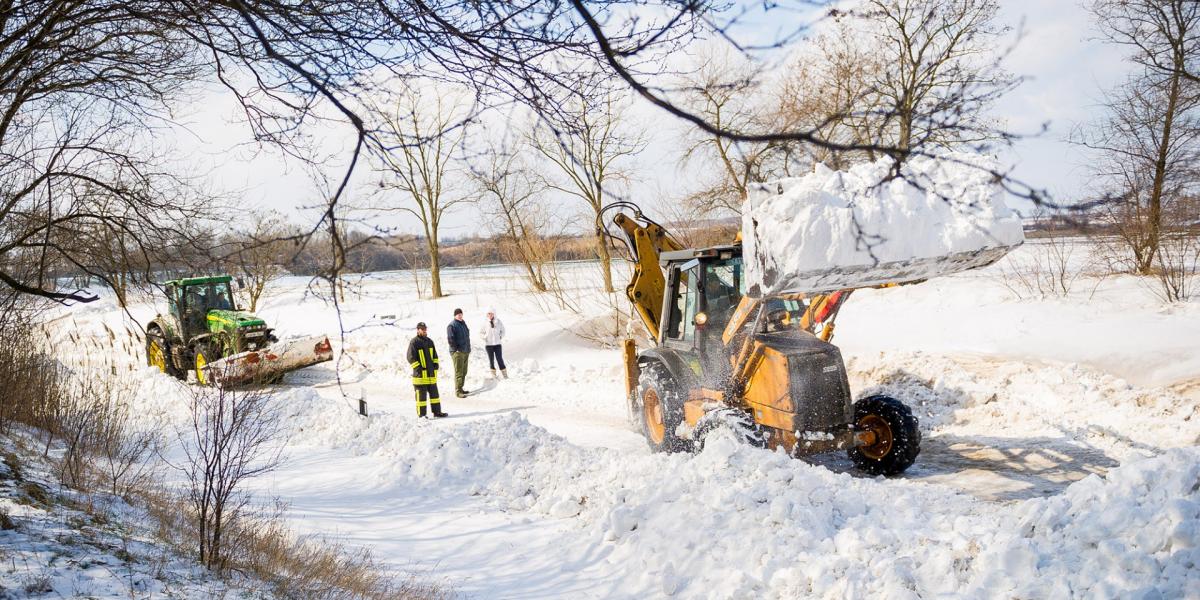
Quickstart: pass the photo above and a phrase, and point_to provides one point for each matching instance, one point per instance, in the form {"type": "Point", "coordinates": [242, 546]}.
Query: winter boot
{"type": "Point", "coordinates": [504, 372]}
{"type": "Point", "coordinates": [461, 393]}
{"type": "Point", "coordinates": [438, 415]}
{"type": "Point", "coordinates": [493, 373]}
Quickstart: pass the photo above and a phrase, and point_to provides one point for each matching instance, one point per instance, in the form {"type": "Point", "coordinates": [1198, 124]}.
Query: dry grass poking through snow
{"type": "Point", "coordinates": [78, 428]}
{"type": "Point", "coordinates": [263, 548]}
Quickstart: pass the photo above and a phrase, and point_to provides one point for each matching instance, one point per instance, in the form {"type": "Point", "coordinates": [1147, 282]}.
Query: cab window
{"type": "Point", "coordinates": [722, 289]}
{"type": "Point", "coordinates": [219, 298]}
{"type": "Point", "coordinates": [682, 324]}
{"type": "Point", "coordinates": [781, 314]}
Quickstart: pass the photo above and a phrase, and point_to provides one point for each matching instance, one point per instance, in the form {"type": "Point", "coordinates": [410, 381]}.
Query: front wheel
{"type": "Point", "coordinates": [895, 437]}
{"type": "Point", "coordinates": [202, 357]}
{"type": "Point", "coordinates": [659, 409]}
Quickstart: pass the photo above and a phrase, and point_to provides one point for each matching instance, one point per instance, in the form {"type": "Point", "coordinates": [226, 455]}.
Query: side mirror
{"type": "Point", "coordinates": [701, 319]}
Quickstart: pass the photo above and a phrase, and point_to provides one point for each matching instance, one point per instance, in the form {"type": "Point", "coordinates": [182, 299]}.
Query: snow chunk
{"type": "Point", "coordinates": [869, 229]}
{"type": "Point", "coordinates": [565, 508]}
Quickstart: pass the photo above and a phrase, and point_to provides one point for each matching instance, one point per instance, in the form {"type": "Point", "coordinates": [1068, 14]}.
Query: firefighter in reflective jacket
{"type": "Point", "coordinates": [423, 358]}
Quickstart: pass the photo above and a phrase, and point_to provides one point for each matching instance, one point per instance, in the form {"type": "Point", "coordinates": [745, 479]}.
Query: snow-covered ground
{"type": "Point", "coordinates": [1060, 458]}
{"type": "Point", "coordinates": [60, 543]}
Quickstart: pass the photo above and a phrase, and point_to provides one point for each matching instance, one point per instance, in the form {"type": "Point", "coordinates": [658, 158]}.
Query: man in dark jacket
{"type": "Point", "coordinates": [459, 338]}
{"type": "Point", "coordinates": [422, 356]}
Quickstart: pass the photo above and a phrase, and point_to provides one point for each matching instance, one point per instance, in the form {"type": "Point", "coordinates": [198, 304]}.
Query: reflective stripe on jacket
{"type": "Point", "coordinates": [423, 358]}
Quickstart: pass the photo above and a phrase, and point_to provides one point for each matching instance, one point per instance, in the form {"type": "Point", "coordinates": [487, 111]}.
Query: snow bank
{"type": "Point", "coordinates": [795, 230]}
{"type": "Point", "coordinates": [736, 522]}
{"type": "Point", "coordinates": [73, 544]}
{"type": "Point", "coordinates": [967, 396]}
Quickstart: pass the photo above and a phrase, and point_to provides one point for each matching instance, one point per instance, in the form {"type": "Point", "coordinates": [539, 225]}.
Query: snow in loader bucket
{"type": "Point", "coordinates": [833, 230]}
{"type": "Point", "coordinates": [270, 362]}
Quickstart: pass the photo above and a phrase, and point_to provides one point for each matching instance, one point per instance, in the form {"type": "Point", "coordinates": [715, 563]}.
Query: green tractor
{"type": "Point", "coordinates": [203, 331]}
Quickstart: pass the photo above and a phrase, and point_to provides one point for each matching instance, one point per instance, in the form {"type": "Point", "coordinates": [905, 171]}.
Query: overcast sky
{"type": "Point", "coordinates": [1065, 73]}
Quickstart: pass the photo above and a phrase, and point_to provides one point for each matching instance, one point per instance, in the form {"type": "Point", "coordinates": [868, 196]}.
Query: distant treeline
{"type": "Point", "coordinates": [365, 254]}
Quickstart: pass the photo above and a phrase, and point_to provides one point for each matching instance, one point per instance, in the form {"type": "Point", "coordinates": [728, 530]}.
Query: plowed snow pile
{"type": "Point", "coordinates": [869, 229]}
{"type": "Point", "coordinates": [739, 522]}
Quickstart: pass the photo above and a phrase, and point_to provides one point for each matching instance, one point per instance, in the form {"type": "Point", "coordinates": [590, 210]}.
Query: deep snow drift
{"type": "Point", "coordinates": [873, 230]}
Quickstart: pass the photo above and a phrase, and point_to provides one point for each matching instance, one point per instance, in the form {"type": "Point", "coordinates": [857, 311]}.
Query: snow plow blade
{"type": "Point", "coordinates": [864, 276]}
{"type": "Point", "coordinates": [261, 366]}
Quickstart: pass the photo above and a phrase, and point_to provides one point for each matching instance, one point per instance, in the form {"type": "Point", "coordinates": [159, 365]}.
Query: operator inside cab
{"type": "Point", "coordinates": [221, 299]}
{"type": "Point", "coordinates": [194, 311]}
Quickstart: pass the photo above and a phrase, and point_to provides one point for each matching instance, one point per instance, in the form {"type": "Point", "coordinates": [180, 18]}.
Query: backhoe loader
{"type": "Point", "coordinates": [764, 368]}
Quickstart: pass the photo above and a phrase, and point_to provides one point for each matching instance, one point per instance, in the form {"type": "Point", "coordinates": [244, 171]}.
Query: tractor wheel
{"type": "Point", "coordinates": [897, 438]}
{"type": "Point", "coordinates": [203, 355]}
{"type": "Point", "coordinates": [158, 354]}
{"type": "Point", "coordinates": [730, 419]}
{"type": "Point", "coordinates": [659, 409]}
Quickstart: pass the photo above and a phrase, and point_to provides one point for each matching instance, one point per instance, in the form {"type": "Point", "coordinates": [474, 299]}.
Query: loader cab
{"type": "Point", "coordinates": [703, 289]}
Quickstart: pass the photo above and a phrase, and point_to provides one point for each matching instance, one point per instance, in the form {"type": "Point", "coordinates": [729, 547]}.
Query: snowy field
{"type": "Point", "coordinates": [1061, 453]}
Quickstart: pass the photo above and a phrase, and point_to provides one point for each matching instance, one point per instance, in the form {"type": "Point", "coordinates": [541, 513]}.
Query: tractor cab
{"type": "Point", "coordinates": [191, 301]}
{"type": "Point", "coordinates": [763, 356]}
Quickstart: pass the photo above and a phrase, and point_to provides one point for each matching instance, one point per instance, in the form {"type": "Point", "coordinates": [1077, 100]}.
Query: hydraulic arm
{"type": "Point", "coordinates": [646, 240]}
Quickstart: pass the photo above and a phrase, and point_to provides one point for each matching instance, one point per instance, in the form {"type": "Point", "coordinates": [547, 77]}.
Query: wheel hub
{"type": "Point", "coordinates": [157, 357]}
{"type": "Point", "coordinates": [881, 431]}
{"type": "Point", "coordinates": [201, 362]}
{"type": "Point", "coordinates": [652, 414]}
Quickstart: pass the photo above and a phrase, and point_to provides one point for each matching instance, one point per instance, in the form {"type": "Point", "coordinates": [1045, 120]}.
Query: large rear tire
{"type": "Point", "coordinates": [158, 353]}
{"type": "Point", "coordinates": [897, 436]}
{"type": "Point", "coordinates": [659, 409]}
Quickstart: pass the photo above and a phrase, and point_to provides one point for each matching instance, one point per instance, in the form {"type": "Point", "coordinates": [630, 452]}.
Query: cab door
{"type": "Point", "coordinates": [173, 323]}
{"type": "Point", "coordinates": [682, 304]}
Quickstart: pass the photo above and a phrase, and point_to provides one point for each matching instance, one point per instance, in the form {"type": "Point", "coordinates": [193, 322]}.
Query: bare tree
{"type": "Point", "coordinates": [1177, 263]}
{"type": "Point", "coordinates": [940, 72]}
{"type": "Point", "coordinates": [230, 438]}
{"type": "Point", "coordinates": [832, 88]}
{"type": "Point", "coordinates": [1164, 35]}
{"type": "Point", "coordinates": [1146, 151]}
{"type": "Point", "coordinates": [1050, 264]}
{"type": "Point", "coordinates": [724, 91]}
{"type": "Point", "coordinates": [1148, 145]}
{"type": "Point", "coordinates": [422, 138]}
{"type": "Point", "coordinates": [591, 152]}
{"type": "Point", "coordinates": [510, 204]}
{"type": "Point", "coordinates": [260, 256]}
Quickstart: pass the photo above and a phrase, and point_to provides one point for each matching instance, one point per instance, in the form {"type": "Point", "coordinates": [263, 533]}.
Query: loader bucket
{"type": "Point", "coordinates": [257, 366]}
{"type": "Point", "coordinates": [863, 276]}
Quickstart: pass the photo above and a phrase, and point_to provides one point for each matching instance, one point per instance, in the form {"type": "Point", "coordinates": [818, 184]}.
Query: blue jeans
{"type": "Point", "coordinates": [495, 355]}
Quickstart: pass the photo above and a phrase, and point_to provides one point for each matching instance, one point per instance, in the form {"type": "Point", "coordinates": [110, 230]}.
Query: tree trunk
{"type": "Point", "coordinates": [435, 270]}
{"type": "Point", "coordinates": [534, 279]}
{"type": "Point", "coordinates": [214, 550]}
{"type": "Point", "coordinates": [605, 261]}
{"type": "Point", "coordinates": [1154, 224]}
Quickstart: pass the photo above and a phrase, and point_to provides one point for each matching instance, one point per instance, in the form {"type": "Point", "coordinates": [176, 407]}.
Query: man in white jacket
{"type": "Point", "coordinates": [493, 333]}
